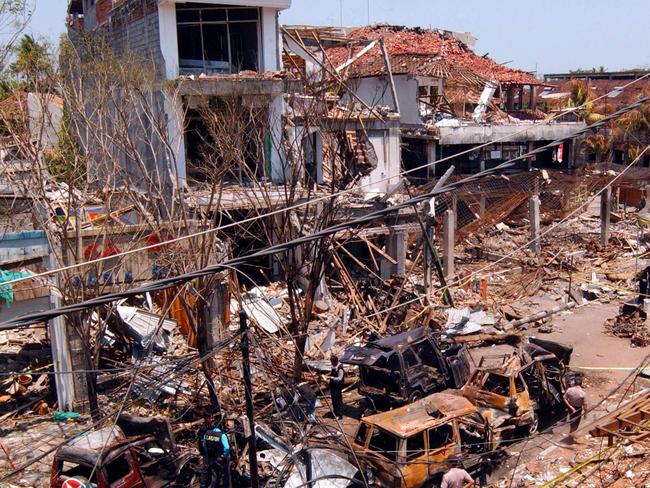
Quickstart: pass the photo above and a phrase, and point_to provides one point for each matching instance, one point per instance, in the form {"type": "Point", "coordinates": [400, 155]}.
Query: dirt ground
{"type": "Point", "coordinates": [606, 361]}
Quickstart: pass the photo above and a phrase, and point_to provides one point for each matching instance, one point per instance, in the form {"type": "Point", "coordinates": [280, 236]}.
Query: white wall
{"type": "Point", "coordinates": [279, 166]}
{"type": "Point", "coordinates": [270, 40]}
{"type": "Point", "coordinates": [175, 113]}
{"type": "Point", "coordinates": [386, 175]}
{"type": "Point", "coordinates": [44, 119]}
{"type": "Point", "coordinates": [376, 91]}
{"type": "Point", "coordinates": [168, 38]}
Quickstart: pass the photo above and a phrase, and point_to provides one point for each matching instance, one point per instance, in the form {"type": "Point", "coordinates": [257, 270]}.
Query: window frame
{"type": "Point", "coordinates": [507, 383]}
{"type": "Point", "coordinates": [422, 452]}
{"type": "Point", "coordinates": [227, 22]}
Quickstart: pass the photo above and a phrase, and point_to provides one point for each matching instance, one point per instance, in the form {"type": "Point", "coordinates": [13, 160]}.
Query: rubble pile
{"type": "Point", "coordinates": [632, 326]}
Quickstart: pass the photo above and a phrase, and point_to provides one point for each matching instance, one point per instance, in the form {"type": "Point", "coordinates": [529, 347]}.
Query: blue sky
{"type": "Point", "coordinates": [552, 35]}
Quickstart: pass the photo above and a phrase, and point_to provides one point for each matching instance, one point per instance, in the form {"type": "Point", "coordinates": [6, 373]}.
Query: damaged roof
{"type": "Point", "coordinates": [417, 42]}
{"type": "Point", "coordinates": [418, 65]}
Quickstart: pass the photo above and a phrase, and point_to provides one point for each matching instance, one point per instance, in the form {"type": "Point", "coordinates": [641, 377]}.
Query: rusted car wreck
{"type": "Point", "coordinates": [511, 390]}
{"type": "Point", "coordinates": [139, 452]}
{"type": "Point", "coordinates": [416, 444]}
{"type": "Point", "coordinates": [405, 367]}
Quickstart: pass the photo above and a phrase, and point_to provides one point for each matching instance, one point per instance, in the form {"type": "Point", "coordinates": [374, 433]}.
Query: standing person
{"type": "Point", "coordinates": [575, 400]}
{"type": "Point", "coordinates": [456, 478]}
{"type": "Point", "coordinates": [337, 377]}
{"type": "Point", "coordinates": [215, 451]}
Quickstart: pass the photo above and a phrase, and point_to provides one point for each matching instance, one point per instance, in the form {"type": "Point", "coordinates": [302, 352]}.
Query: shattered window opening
{"type": "Point", "coordinates": [427, 353]}
{"type": "Point", "coordinates": [74, 470]}
{"type": "Point", "coordinates": [410, 359]}
{"type": "Point", "coordinates": [440, 436]}
{"type": "Point", "coordinates": [498, 384]}
{"type": "Point", "coordinates": [415, 446]}
{"type": "Point", "coordinates": [519, 385]}
{"type": "Point", "coordinates": [216, 39]}
{"type": "Point", "coordinates": [118, 469]}
{"type": "Point", "coordinates": [384, 443]}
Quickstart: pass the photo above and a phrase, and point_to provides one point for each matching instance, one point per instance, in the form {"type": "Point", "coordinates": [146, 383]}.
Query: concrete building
{"type": "Point", "coordinates": [209, 50]}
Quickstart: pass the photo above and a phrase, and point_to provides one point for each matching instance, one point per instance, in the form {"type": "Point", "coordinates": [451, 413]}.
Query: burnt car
{"type": "Point", "coordinates": [405, 367]}
{"type": "Point", "coordinates": [511, 390]}
{"type": "Point", "coordinates": [414, 445]}
{"type": "Point", "coordinates": [139, 452]}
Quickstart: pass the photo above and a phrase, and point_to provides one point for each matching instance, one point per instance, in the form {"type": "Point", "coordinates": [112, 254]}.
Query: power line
{"type": "Point", "coordinates": [322, 198]}
{"type": "Point", "coordinates": [154, 384]}
{"type": "Point", "coordinates": [169, 282]}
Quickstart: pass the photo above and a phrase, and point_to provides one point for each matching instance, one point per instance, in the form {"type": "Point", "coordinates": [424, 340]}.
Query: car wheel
{"type": "Point", "coordinates": [415, 396]}
{"type": "Point", "coordinates": [189, 476]}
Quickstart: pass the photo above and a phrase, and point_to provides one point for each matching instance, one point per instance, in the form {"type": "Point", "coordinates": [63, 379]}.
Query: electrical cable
{"type": "Point", "coordinates": [169, 282]}
{"type": "Point", "coordinates": [500, 166]}
{"type": "Point", "coordinates": [466, 279]}
{"type": "Point", "coordinates": [327, 197]}
{"type": "Point", "coordinates": [153, 384]}
{"type": "Point", "coordinates": [479, 271]}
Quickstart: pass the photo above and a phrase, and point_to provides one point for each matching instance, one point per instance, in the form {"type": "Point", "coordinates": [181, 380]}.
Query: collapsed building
{"type": "Point", "coordinates": [448, 98]}
{"type": "Point", "coordinates": [348, 123]}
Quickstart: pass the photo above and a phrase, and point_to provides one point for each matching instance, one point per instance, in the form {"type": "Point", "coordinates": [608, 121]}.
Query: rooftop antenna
{"type": "Point", "coordinates": [341, 11]}
{"type": "Point", "coordinates": [368, 4]}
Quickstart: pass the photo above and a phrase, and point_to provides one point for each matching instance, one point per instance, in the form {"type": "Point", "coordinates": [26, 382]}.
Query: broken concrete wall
{"type": "Point", "coordinates": [386, 144]}
{"type": "Point", "coordinates": [376, 92]}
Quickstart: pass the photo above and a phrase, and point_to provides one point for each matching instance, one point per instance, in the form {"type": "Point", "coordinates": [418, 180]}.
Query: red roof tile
{"type": "Point", "coordinates": [425, 42]}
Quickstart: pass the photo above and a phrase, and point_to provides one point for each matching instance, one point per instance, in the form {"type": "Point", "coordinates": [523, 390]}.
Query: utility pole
{"type": "Point", "coordinates": [248, 393]}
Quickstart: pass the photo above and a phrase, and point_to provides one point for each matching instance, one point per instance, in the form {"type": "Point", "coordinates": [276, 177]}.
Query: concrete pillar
{"type": "Point", "coordinates": [531, 147]}
{"type": "Point", "coordinates": [275, 154]}
{"type": "Point", "coordinates": [431, 159]}
{"type": "Point", "coordinates": [533, 217]}
{"type": "Point", "coordinates": [219, 318]}
{"type": "Point", "coordinates": [275, 223]}
{"type": "Point", "coordinates": [448, 237]}
{"type": "Point", "coordinates": [454, 208]}
{"type": "Point", "coordinates": [396, 249]}
{"type": "Point", "coordinates": [481, 165]}
{"type": "Point", "coordinates": [533, 97]}
{"type": "Point", "coordinates": [605, 209]}
{"type": "Point", "coordinates": [482, 204]}
{"type": "Point", "coordinates": [77, 348]}
{"type": "Point", "coordinates": [61, 358]}
{"type": "Point", "coordinates": [428, 258]}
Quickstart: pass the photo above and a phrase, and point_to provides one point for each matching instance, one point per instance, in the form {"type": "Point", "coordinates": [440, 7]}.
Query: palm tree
{"type": "Point", "coordinates": [595, 144]}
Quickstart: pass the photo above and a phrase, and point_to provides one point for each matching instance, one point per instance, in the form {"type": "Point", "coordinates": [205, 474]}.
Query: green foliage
{"type": "Point", "coordinates": [67, 163]}
{"type": "Point", "coordinates": [32, 66]}
{"type": "Point", "coordinates": [588, 71]}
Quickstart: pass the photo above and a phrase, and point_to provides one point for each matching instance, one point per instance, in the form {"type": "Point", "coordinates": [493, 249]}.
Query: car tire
{"type": "Point", "coordinates": [415, 396]}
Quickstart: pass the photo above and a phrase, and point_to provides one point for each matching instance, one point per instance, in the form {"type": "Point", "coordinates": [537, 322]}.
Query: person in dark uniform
{"type": "Point", "coordinates": [215, 451]}
{"type": "Point", "coordinates": [337, 378]}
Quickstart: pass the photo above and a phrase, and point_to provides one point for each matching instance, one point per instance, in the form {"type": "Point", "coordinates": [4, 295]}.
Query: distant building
{"type": "Point", "coordinates": [449, 99]}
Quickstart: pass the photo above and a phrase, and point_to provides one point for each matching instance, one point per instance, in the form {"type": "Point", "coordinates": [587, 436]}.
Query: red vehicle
{"type": "Point", "coordinates": [140, 452]}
